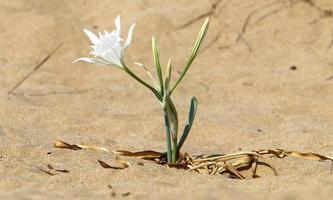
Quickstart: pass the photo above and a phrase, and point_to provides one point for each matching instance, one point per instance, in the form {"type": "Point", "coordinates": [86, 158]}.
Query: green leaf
{"type": "Point", "coordinates": [169, 70]}
{"type": "Point", "coordinates": [173, 119]}
{"type": "Point", "coordinates": [170, 121]}
{"type": "Point", "coordinates": [191, 116]}
{"type": "Point", "coordinates": [197, 45]}
{"type": "Point", "coordinates": [171, 111]}
{"type": "Point", "coordinates": [156, 56]}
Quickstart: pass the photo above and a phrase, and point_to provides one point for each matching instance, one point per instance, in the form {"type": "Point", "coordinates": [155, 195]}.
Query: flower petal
{"type": "Point", "coordinates": [118, 26]}
{"type": "Point", "coordinates": [112, 57]}
{"type": "Point", "coordinates": [91, 60]}
{"type": "Point", "coordinates": [129, 36]}
{"type": "Point", "coordinates": [93, 38]}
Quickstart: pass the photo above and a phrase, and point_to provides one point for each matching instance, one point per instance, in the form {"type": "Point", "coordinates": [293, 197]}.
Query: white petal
{"type": "Point", "coordinates": [91, 60]}
{"type": "Point", "coordinates": [118, 26]}
{"type": "Point", "coordinates": [118, 49]}
{"type": "Point", "coordinates": [129, 36]}
{"type": "Point", "coordinates": [93, 38]}
{"type": "Point", "coordinates": [112, 57]}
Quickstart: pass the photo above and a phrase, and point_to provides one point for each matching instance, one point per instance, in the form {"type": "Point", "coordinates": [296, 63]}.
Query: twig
{"type": "Point", "coordinates": [234, 171]}
{"type": "Point", "coordinates": [255, 163]}
{"type": "Point", "coordinates": [36, 68]}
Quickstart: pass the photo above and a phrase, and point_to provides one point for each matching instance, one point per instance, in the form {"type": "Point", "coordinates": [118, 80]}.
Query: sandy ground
{"type": "Point", "coordinates": [249, 97]}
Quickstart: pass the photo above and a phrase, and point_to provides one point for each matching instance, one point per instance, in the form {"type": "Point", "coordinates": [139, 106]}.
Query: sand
{"type": "Point", "coordinates": [263, 80]}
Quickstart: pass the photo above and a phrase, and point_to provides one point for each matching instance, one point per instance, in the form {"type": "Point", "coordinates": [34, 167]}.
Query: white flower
{"type": "Point", "coordinates": [108, 48]}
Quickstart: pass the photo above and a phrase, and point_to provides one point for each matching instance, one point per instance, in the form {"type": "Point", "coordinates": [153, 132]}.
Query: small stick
{"type": "Point", "coordinates": [201, 165]}
{"type": "Point", "coordinates": [36, 68]}
{"type": "Point", "coordinates": [221, 169]}
{"type": "Point", "coordinates": [255, 168]}
{"type": "Point", "coordinates": [234, 171]}
{"type": "Point", "coordinates": [215, 170]}
{"type": "Point", "coordinates": [228, 156]}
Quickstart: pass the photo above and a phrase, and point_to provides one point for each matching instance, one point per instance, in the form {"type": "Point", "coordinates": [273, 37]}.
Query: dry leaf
{"type": "Point", "coordinates": [64, 145]}
{"type": "Point", "coordinates": [282, 153]}
{"type": "Point", "coordinates": [148, 155]}
{"type": "Point", "coordinates": [104, 164]}
{"type": "Point", "coordinates": [308, 156]}
{"type": "Point", "coordinates": [227, 163]}
{"type": "Point", "coordinates": [120, 164]}
{"type": "Point", "coordinates": [93, 148]}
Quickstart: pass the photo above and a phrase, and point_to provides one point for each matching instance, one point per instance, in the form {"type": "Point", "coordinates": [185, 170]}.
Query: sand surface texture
{"type": "Point", "coordinates": [264, 79]}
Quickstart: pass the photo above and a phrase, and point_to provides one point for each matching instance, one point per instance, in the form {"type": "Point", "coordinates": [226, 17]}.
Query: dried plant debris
{"type": "Point", "coordinates": [65, 145]}
{"type": "Point", "coordinates": [50, 170]}
{"type": "Point", "coordinates": [308, 156]}
{"type": "Point", "coordinates": [232, 164]}
{"type": "Point", "coordinates": [147, 155]}
{"type": "Point", "coordinates": [119, 164]}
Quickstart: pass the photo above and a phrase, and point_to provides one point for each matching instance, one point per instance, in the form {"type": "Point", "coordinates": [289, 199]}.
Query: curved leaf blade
{"type": "Point", "coordinates": [156, 55]}
{"type": "Point", "coordinates": [188, 126]}
{"type": "Point", "coordinates": [197, 45]}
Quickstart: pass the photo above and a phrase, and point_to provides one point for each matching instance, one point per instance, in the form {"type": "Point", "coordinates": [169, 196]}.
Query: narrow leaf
{"type": "Point", "coordinates": [169, 70]}
{"type": "Point", "coordinates": [197, 45]}
{"type": "Point", "coordinates": [191, 116]}
{"type": "Point", "coordinates": [173, 115]}
{"type": "Point", "coordinates": [156, 56]}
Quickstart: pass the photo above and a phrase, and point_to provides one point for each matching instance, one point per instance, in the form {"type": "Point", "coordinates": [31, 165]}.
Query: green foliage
{"type": "Point", "coordinates": [162, 90]}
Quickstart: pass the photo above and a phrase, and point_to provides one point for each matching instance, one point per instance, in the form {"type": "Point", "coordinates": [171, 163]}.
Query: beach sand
{"type": "Point", "coordinates": [263, 78]}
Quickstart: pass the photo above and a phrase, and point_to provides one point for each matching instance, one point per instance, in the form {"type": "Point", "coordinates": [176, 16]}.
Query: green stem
{"type": "Point", "coordinates": [174, 151]}
{"type": "Point", "coordinates": [168, 136]}
{"type": "Point", "coordinates": [157, 94]}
